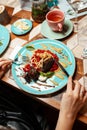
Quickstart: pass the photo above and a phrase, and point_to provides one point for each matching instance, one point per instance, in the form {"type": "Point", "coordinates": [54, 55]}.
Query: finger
{"type": "Point", "coordinates": [6, 66]}
{"type": "Point", "coordinates": [1, 59]}
{"type": "Point", "coordinates": [1, 74]}
{"type": "Point", "coordinates": [77, 87]}
{"type": "Point", "coordinates": [85, 97]}
{"type": "Point", "coordinates": [4, 62]}
{"type": "Point", "coordinates": [69, 85]}
{"type": "Point", "coordinates": [82, 92]}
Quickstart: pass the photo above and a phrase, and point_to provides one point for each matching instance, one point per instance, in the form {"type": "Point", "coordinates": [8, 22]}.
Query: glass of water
{"type": "Point", "coordinates": [76, 5]}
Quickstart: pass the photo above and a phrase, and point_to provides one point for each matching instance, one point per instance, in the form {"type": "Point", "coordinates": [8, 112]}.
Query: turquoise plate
{"type": "Point", "coordinates": [21, 26]}
{"type": "Point", "coordinates": [4, 38]}
{"type": "Point", "coordinates": [58, 80]}
{"type": "Point", "coordinates": [48, 33]}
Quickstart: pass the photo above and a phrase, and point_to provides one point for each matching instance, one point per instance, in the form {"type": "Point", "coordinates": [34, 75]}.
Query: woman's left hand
{"type": "Point", "coordinates": [4, 66]}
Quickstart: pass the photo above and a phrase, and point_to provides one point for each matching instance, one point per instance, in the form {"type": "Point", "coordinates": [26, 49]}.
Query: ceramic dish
{"type": "Point", "coordinates": [21, 26]}
{"type": "Point", "coordinates": [58, 80]}
{"type": "Point", "coordinates": [4, 38]}
{"type": "Point", "coordinates": [48, 33]}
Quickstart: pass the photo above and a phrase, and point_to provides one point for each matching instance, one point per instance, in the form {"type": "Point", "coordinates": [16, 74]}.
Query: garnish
{"type": "Point", "coordinates": [1, 43]}
{"type": "Point", "coordinates": [30, 48]}
{"type": "Point", "coordinates": [48, 74]}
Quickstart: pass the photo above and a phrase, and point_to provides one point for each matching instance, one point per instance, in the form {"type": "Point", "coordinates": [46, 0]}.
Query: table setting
{"type": "Point", "coordinates": [38, 36]}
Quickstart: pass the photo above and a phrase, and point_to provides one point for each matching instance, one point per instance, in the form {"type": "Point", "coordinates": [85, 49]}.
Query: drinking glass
{"type": "Point", "coordinates": [76, 4]}
{"type": "Point", "coordinates": [39, 10]}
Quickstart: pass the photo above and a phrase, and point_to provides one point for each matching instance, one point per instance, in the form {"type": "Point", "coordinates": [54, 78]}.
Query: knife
{"type": "Point", "coordinates": [62, 68]}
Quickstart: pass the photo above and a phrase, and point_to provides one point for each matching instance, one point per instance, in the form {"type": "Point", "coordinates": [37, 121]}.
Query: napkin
{"type": "Point", "coordinates": [16, 47]}
{"type": "Point", "coordinates": [78, 42]}
{"type": "Point", "coordinates": [35, 31]}
{"type": "Point", "coordinates": [23, 5]}
{"type": "Point", "coordinates": [9, 27]}
{"type": "Point", "coordinates": [16, 10]}
{"type": "Point", "coordinates": [14, 52]}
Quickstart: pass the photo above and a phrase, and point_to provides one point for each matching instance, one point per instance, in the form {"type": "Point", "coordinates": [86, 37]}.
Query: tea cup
{"type": "Point", "coordinates": [55, 20]}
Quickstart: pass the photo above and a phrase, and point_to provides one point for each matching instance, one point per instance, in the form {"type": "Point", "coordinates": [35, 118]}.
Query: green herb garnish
{"type": "Point", "coordinates": [48, 74]}
{"type": "Point", "coordinates": [30, 48]}
{"type": "Point", "coordinates": [1, 43]}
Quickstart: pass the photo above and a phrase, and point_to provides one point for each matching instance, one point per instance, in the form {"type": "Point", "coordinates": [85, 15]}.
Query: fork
{"type": "Point", "coordinates": [20, 60]}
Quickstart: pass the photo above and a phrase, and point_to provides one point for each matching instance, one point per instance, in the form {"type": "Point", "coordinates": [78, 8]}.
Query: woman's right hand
{"type": "Point", "coordinates": [72, 101]}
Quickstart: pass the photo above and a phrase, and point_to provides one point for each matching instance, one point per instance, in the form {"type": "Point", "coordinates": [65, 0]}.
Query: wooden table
{"type": "Point", "coordinates": [51, 100]}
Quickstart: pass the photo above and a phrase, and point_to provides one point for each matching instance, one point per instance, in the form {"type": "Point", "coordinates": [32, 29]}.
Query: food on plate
{"type": "Point", "coordinates": [32, 73]}
{"type": "Point", "coordinates": [42, 65]}
{"type": "Point", "coordinates": [21, 25]}
{"type": "Point", "coordinates": [40, 57]}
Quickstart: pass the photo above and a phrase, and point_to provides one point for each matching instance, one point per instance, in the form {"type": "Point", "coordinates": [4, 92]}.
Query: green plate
{"type": "Point", "coordinates": [48, 33]}
{"type": "Point", "coordinates": [58, 80]}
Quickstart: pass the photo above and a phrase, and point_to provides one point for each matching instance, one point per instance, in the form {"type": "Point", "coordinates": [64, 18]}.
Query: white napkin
{"type": "Point", "coordinates": [75, 45]}
{"type": "Point", "coordinates": [14, 52]}
{"type": "Point", "coordinates": [72, 43]}
{"type": "Point", "coordinates": [16, 9]}
{"type": "Point", "coordinates": [9, 27]}
{"type": "Point", "coordinates": [23, 5]}
{"type": "Point", "coordinates": [16, 47]}
{"type": "Point", "coordinates": [35, 31]}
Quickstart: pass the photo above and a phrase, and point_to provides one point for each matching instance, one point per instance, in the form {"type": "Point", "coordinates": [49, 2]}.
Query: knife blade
{"type": "Point", "coordinates": [63, 69]}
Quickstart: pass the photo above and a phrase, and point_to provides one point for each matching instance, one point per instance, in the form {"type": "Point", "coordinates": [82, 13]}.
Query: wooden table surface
{"type": "Point", "coordinates": [50, 100]}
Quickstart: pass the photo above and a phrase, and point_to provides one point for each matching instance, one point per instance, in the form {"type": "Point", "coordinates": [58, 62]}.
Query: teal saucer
{"type": "Point", "coordinates": [48, 33]}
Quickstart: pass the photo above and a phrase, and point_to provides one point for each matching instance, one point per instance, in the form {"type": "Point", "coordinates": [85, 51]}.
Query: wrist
{"type": "Point", "coordinates": [67, 122]}
{"type": "Point", "coordinates": [68, 116]}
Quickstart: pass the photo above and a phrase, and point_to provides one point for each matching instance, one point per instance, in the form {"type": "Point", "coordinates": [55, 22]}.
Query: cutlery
{"type": "Point", "coordinates": [62, 68]}
{"type": "Point", "coordinates": [17, 61]}
{"type": "Point", "coordinates": [50, 62]}
{"type": "Point", "coordinates": [20, 60]}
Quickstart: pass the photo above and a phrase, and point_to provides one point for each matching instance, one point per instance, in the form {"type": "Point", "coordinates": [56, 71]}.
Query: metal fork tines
{"type": "Point", "coordinates": [20, 60]}
{"type": "Point", "coordinates": [25, 58]}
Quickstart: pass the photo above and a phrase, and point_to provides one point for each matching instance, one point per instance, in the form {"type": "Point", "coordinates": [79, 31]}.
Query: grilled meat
{"type": "Point", "coordinates": [47, 65]}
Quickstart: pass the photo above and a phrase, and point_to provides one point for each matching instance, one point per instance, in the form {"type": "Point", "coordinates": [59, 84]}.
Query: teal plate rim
{"type": "Point", "coordinates": [4, 38]}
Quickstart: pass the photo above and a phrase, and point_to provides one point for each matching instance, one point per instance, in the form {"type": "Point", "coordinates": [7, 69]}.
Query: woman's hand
{"type": "Point", "coordinates": [72, 101]}
{"type": "Point", "coordinates": [4, 66]}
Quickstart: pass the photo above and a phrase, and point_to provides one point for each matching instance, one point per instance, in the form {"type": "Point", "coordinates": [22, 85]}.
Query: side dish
{"type": "Point", "coordinates": [21, 25]}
